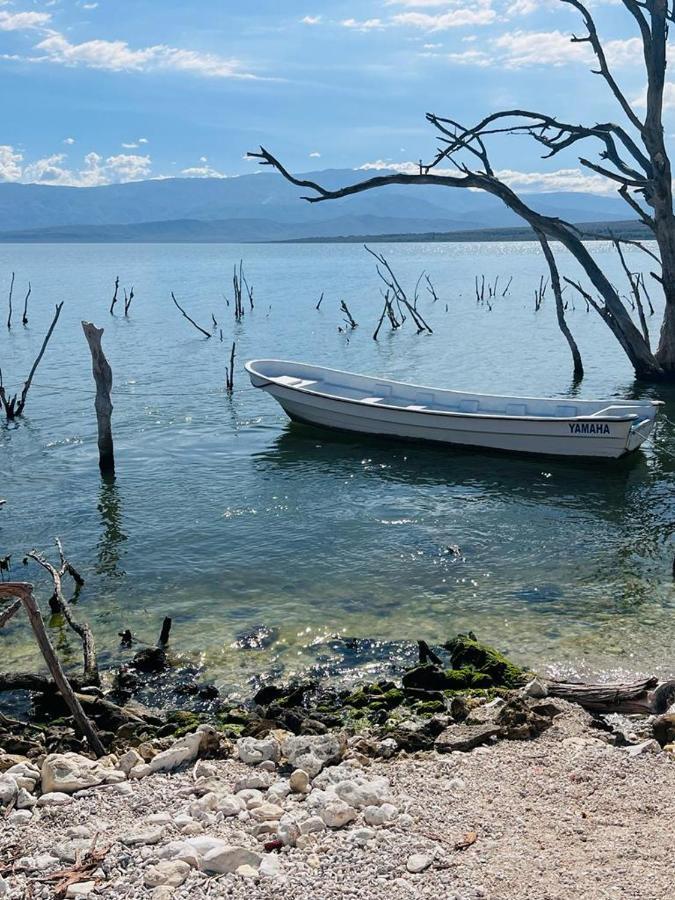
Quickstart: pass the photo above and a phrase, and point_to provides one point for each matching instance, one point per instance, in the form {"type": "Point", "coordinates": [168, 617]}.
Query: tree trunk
{"type": "Point", "coordinates": [103, 404]}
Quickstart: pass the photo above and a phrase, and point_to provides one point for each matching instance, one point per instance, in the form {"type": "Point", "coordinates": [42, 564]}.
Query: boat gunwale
{"type": "Point", "coordinates": [630, 417]}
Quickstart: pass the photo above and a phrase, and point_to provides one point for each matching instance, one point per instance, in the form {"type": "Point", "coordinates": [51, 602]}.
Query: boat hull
{"type": "Point", "coordinates": [580, 436]}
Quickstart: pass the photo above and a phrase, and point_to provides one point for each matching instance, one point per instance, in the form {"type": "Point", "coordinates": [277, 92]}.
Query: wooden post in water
{"type": "Point", "coordinates": [103, 404]}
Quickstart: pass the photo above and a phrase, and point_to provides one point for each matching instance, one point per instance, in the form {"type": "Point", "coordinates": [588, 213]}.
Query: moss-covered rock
{"type": "Point", "coordinates": [467, 651]}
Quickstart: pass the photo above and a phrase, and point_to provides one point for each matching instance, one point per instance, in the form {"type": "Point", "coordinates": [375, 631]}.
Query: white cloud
{"type": "Point", "coordinates": [143, 141]}
{"type": "Point", "coordinates": [10, 163]}
{"type": "Point", "coordinates": [118, 56]}
{"type": "Point", "coordinates": [528, 182]}
{"type": "Point", "coordinates": [314, 154]}
{"type": "Point", "coordinates": [202, 172]}
{"type": "Point", "coordinates": [69, 140]}
{"type": "Point", "coordinates": [53, 169]}
{"type": "Point", "coordinates": [131, 146]}
{"type": "Point", "coordinates": [456, 18]}
{"type": "Point", "coordinates": [363, 25]}
{"type": "Point", "coordinates": [23, 21]}
{"type": "Point", "coordinates": [310, 20]}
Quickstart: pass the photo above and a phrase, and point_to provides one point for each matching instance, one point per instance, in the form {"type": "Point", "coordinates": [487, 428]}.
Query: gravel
{"type": "Point", "coordinates": [562, 816]}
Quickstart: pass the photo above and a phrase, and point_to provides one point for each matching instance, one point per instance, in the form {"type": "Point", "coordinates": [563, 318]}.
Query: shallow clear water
{"type": "Point", "coordinates": [225, 516]}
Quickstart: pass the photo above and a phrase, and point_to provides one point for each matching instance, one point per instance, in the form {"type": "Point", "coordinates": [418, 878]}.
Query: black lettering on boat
{"type": "Point", "coordinates": [589, 428]}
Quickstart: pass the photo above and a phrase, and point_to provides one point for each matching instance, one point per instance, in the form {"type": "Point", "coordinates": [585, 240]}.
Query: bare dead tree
{"type": "Point", "coordinates": [127, 300]}
{"type": "Point", "coordinates": [540, 292]}
{"type": "Point", "coordinates": [318, 305]}
{"type": "Point", "coordinates": [632, 156]}
{"type": "Point", "coordinates": [103, 404]}
{"type": "Point", "coordinates": [24, 317]}
{"type": "Point", "coordinates": [349, 318]}
{"type": "Point", "coordinates": [506, 289]}
{"type": "Point", "coordinates": [392, 284]}
{"type": "Point", "coordinates": [23, 592]}
{"type": "Point", "coordinates": [114, 298]}
{"type": "Point", "coordinates": [560, 308]}
{"type": "Point", "coordinates": [431, 289]}
{"type": "Point", "coordinates": [11, 291]}
{"type": "Point", "coordinates": [229, 373]}
{"type": "Point", "coordinates": [385, 310]}
{"type": "Point", "coordinates": [191, 321]}
{"type": "Point", "coordinates": [14, 406]}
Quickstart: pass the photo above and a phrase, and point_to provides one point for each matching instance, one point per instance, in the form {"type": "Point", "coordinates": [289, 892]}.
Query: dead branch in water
{"type": "Point", "coordinates": [392, 284]}
{"type": "Point", "coordinates": [540, 293]}
{"type": "Point", "coordinates": [431, 289]}
{"type": "Point", "coordinates": [14, 406]}
{"type": "Point", "coordinates": [634, 282]}
{"type": "Point", "coordinates": [192, 321]}
{"type": "Point", "coordinates": [127, 300]}
{"type": "Point", "coordinates": [11, 291]}
{"type": "Point", "coordinates": [23, 591]}
{"type": "Point", "coordinates": [24, 317]}
{"type": "Point", "coordinates": [164, 633]}
{"type": "Point", "coordinates": [560, 308]}
{"type": "Point", "coordinates": [114, 299]}
{"type": "Point", "coordinates": [62, 606]}
{"type": "Point", "coordinates": [103, 404]}
{"type": "Point", "coordinates": [229, 374]}
{"type": "Point", "coordinates": [506, 289]}
{"type": "Point", "coordinates": [350, 321]}
{"type": "Point", "coordinates": [318, 305]}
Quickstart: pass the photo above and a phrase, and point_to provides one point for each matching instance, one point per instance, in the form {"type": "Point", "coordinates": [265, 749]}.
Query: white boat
{"type": "Point", "coordinates": [359, 403]}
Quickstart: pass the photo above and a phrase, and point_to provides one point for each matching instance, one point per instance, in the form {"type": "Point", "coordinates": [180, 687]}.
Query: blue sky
{"type": "Point", "coordinates": [116, 90]}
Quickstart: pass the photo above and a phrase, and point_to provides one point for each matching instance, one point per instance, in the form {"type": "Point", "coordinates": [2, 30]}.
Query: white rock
{"type": "Point", "coordinates": [258, 780]}
{"type": "Point", "coordinates": [246, 871]}
{"type": "Point", "coordinates": [418, 862]}
{"type": "Point", "coordinates": [181, 850]}
{"type": "Point", "coordinates": [456, 784]}
{"type": "Point", "coordinates": [25, 800]}
{"type": "Point", "coordinates": [253, 750]}
{"type": "Point", "coordinates": [228, 858]}
{"type": "Point", "coordinates": [299, 782]}
{"type": "Point", "coordinates": [191, 829]}
{"type": "Point", "coordinates": [361, 836]}
{"type": "Point", "coordinates": [369, 793]}
{"type": "Point", "coordinates": [312, 825]}
{"type": "Point", "coordinates": [270, 867]}
{"type": "Point", "coordinates": [312, 752]}
{"type": "Point", "coordinates": [386, 748]}
{"type": "Point", "coordinates": [229, 806]}
{"type": "Point", "coordinates": [160, 819]}
{"type": "Point", "coordinates": [536, 689]}
{"type": "Point", "coordinates": [69, 772]}
{"type": "Point", "coordinates": [182, 751]}
{"type": "Point", "coordinates": [170, 872]}
{"type": "Point", "coordinates": [8, 790]}
{"type": "Point", "coordinates": [380, 815]}
{"type": "Point", "coordinates": [266, 812]}
{"type": "Point", "coordinates": [81, 889]}
{"type": "Point", "coordinates": [140, 771]}
{"type": "Point", "coordinates": [650, 746]}
{"type": "Point", "coordinates": [21, 816]}
{"type": "Point", "coordinates": [267, 765]}
{"type": "Point", "coordinates": [288, 830]}
{"type": "Point", "coordinates": [4, 887]}
{"type": "Point", "coordinates": [279, 790]}
{"type": "Point", "coordinates": [405, 821]}
{"type": "Point", "coordinates": [336, 813]}
{"type": "Point", "coordinates": [55, 798]}
{"type": "Point", "coordinates": [129, 760]}
{"type": "Point", "coordinates": [204, 769]}
{"type": "Point", "coordinates": [250, 797]}
{"type": "Point", "coordinates": [140, 838]}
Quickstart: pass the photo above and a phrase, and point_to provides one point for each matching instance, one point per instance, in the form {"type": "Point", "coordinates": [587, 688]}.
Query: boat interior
{"type": "Point", "coordinates": [375, 392]}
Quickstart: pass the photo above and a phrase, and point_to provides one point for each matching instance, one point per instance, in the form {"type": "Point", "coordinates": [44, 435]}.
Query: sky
{"type": "Point", "coordinates": [103, 91]}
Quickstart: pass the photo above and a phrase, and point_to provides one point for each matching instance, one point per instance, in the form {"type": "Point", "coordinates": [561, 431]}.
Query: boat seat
{"type": "Point", "coordinates": [371, 399]}
{"type": "Point", "coordinates": [566, 412]}
{"type": "Point", "coordinates": [516, 409]}
{"type": "Point", "coordinates": [290, 381]}
{"type": "Point", "coordinates": [470, 406]}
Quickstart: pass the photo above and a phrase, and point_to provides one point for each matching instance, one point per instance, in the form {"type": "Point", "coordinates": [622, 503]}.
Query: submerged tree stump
{"type": "Point", "coordinates": [103, 404]}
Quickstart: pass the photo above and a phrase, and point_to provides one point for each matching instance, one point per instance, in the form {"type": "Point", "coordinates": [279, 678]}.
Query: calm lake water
{"type": "Point", "coordinates": [226, 517]}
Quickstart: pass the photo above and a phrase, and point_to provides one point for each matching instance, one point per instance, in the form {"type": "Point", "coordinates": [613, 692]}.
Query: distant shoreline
{"type": "Point", "coordinates": [211, 232]}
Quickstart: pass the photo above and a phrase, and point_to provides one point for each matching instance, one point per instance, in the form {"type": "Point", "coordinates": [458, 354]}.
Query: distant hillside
{"type": "Point", "coordinates": [185, 231]}
{"type": "Point", "coordinates": [264, 207]}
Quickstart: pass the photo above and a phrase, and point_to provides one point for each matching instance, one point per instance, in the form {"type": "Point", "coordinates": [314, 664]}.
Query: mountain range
{"type": "Point", "coordinates": [265, 207]}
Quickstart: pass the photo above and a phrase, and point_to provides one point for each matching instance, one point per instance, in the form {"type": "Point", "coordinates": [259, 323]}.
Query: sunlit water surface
{"type": "Point", "coordinates": [226, 517]}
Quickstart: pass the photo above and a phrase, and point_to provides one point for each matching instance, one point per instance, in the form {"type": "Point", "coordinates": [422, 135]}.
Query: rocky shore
{"type": "Point", "coordinates": [464, 782]}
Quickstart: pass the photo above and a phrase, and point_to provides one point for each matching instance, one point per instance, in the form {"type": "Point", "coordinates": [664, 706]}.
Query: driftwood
{"type": "Point", "coordinates": [11, 291]}
{"type": "Point", "coordinates": [24, 317]}
{"type": "Point", "coordinates": [229, 372]}
{"type": "Point", "coordinates": [9, 612]}
{"type": "Point", "coordinates": [103, 404]}
{"type": "Point", "coordinates": [24, 592]}
{"type": "Point", "coordinates": [114, 298]}
{"type": "Point", "coordinates": [646, 697]}
{"type": "Point", "coordinates": [165, 632]}
{"type": "Point", "coordinates": [14, 406]}
{"type": "Point", "coordinates": [62, 606]}
{"type": "Point", "coordinates": [192, 321]}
